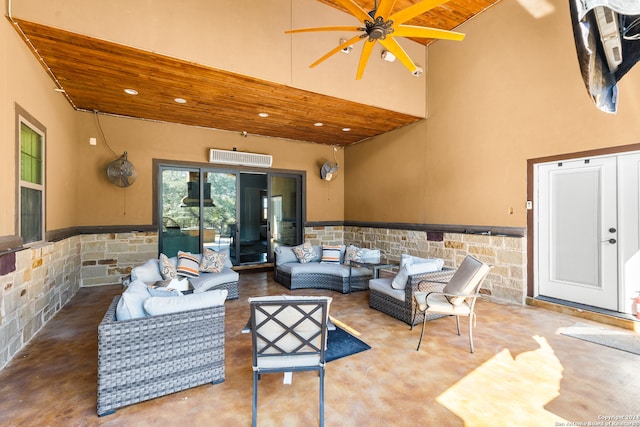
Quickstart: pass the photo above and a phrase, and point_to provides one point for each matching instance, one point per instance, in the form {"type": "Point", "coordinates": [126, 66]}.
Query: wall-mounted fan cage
{"type": "Point", "coordinates": [329, 170]}
{"type": "Point", "coordinates": [121, 172]}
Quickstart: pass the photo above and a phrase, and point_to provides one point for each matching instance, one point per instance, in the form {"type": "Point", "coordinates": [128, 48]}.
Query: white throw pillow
{"type": "Point", "coordinates": [371, 255]}
{"type": "Point", "coordinates": [130, 305]}
{"type": "Point", "coordinates": [147, 272]}
{"type": "Point", "coordinates": [164, 305]}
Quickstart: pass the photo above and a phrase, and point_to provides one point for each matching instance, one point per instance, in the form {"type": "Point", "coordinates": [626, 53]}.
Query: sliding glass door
{"type": "Point", "coordinates": [248, 213]}
{"type": "Point", "coordinates": [285, 219]}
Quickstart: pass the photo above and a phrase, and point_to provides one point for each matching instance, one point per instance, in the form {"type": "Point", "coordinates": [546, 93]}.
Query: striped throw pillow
{"type": "Point", "coordinates": [188, 264]}
{"type": "Point", "coordinates": [331, 254]}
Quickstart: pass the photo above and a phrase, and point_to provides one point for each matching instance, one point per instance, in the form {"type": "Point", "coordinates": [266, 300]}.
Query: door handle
{"type": "Point", "coordinates": [612, 241]}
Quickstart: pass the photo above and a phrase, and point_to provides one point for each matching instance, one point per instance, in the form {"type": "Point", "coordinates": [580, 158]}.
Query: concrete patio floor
{"type": "Point", "coordinates": [523, 373]}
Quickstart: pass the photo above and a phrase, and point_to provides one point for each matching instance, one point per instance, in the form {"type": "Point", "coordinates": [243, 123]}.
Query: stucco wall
{"type": "Point", "coordinates": [511, 91]}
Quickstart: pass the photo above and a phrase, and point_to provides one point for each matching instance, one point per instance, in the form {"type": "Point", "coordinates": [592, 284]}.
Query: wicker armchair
{"type": "Point", "coordinates": [141, 359]}
{"type": "Point", "coordinates": [381, 299]}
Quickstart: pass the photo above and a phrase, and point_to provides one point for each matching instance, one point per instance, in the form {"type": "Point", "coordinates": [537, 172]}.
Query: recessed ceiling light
{"type": "Point", "coordinates": [318, 124]}
{"type": "Point", "coordinates": [180, 100]}
{"type": "Point", "coordinates": [346, 129]}
{"type": "Point", "coordinates": [263, 114]}
{"type": "Point", "coordinates": [131, 91]}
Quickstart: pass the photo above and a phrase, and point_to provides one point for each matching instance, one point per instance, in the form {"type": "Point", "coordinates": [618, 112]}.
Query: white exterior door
{"type": "Point", "coordinates": [577, 231]}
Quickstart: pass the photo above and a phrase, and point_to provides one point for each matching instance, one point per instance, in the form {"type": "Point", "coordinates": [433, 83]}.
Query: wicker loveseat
{"type": "Point", "coordinates": [144, 358]}
{"type": "Point", "coordinates": [316, 274]}
{"type": "Point", "coordinates": [401, 303]}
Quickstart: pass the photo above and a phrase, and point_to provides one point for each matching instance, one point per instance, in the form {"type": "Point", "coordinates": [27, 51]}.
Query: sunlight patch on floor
{"type": "Point", "coordinates": [507, 392]}
{"type": "Point", "coordinates": [344, 326]}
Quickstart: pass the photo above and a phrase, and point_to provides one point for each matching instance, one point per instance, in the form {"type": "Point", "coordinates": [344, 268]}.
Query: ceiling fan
{"type": "Point", "coordinates": [380, 25]}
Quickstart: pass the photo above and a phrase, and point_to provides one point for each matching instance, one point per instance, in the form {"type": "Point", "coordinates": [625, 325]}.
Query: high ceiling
{"type": "Point", "coordinates": [91, 72]}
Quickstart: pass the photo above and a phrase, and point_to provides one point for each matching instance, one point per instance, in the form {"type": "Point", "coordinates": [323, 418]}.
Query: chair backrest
{"type": "Point", "coordinates": [289, 331]}
{"type": "Point", "coordinates": [466, 279]}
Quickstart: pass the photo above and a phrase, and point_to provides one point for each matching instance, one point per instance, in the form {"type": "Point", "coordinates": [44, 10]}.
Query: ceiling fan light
{"type": "Point", "coordinates": [388, 56]}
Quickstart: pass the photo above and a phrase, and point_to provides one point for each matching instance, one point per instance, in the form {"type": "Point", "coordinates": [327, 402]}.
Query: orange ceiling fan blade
{"type": "Point", "coordinates": [426, 33]}
{"type": "Point", "coordinates": [356, 10]}
{"type": "Point", "coordinates": [364, 58]}
{"type": "Point", "coordinates": [417, 9]}
{"type": "Point", "coordinates": [333, 28]}
{"type": "Point", "coordinates": [333, 51]}
{"type": "Point", "coordinates": [385, 8]}
{"type": "Point", "coordinates": [394, 47]}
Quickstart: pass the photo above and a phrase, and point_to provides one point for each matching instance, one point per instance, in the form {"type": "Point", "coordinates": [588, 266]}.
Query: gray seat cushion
{"type": "Point", "coordinates": [337, 270]}
{"type": "Point", "coordinates": [384, 286]}
{"type": "Point", "coordinates": [206, 281]}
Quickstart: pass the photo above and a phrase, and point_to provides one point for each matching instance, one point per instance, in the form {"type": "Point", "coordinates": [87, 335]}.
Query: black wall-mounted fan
{"type": "Point", "coordinates": [121, 172]}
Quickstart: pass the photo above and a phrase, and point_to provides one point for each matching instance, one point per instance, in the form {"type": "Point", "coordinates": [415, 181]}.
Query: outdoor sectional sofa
{"type": "Point", "coordinates": [149, 272]}
{"type": "Point", "coordinates": [315, 274]}
{"type": "Point", "coordinates": [155, 355]}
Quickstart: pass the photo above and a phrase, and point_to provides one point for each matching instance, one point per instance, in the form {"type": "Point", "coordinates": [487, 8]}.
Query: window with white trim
{"type": "Point", "coordinates": [31, 176]}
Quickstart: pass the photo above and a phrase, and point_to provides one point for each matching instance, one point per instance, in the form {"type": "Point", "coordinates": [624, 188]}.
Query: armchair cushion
{"type": "Point", "coordinates": [413, 265]}
{"type": "Point", "coordinates": [468, 276]}
{"type": "Point", "coordinates": [383, 285]}
{"type": "Point", "coordinates": [164, 305]}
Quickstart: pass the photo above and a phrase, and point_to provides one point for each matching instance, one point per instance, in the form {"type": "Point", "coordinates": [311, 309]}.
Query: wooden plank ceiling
{"type": "Point", "coordinates": [94, 72]}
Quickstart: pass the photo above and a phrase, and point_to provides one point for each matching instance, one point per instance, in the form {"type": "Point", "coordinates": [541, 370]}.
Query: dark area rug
{"type": "Point", "coordinates": [341, 344]}
{"type": "Point", "coordinates": [611, 337]}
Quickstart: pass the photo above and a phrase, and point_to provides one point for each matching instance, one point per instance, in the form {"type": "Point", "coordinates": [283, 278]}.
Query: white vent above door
{"type": "Point", "coordinates": [229, 157]}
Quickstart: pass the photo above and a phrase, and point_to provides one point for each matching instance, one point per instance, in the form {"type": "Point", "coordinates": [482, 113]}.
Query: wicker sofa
{"type": "Point", "coordinates": [149, 272]}
{"type": "Point", "coordinates": [400, 303]}
{"type": "Point", "coordinates": [144, 358]}
{"type": "Point", "coordinates": [318, 275]}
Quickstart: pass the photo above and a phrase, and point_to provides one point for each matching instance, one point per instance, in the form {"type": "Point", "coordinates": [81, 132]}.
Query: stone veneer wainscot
{"type": "Point", "coordinates": [43, 281]}
{"type": "Point", "coordinates": [506, 282]}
